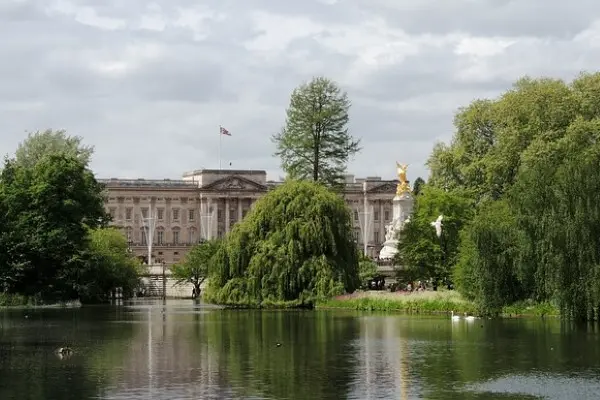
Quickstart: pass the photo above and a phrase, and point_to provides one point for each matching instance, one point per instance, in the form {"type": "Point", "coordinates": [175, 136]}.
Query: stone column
{"type": "Point", "coordinates": [210, 221]}
{"type": "Point", "coordinates": [226, 214]}
{"type": "Point", "coordinates": [381, 223]}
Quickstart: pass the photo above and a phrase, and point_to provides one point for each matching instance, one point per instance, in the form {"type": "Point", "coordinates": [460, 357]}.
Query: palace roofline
{"type": "Point", "coordinates": [225, 172]}
{"type": "Point", "coordinates": [193, 179]}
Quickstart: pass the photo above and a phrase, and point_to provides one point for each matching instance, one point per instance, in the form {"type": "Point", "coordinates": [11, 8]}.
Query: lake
{"type": "Point", "coordinates": [183, 350]}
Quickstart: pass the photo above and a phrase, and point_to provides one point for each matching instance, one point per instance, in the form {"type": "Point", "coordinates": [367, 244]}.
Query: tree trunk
{"type": "Point", "coordinates": [316, 164]}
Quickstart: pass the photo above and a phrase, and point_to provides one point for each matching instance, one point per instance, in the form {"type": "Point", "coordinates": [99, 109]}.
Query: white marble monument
{"type": "Point", "coordinates": [401, 211]}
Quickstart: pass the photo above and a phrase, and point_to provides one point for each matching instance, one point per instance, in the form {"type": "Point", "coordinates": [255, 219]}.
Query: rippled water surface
{"type": "Point", "coordinates": [186, 351]}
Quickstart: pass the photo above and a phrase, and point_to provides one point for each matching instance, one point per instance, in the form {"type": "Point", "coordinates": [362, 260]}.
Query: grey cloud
{"type": "Point", "coordinates": [430, 72]}
{"type": "Point", "coordinates": [182, 76]}
{"type": "Point", "coordinates": [549, 18]}
{"type": "Point", "coordinates": [13, 12]}
{"type": "Point", "coordinates": [377, 124]}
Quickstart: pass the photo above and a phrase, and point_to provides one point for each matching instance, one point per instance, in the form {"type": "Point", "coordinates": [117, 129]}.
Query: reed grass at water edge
{"type": "Point", "coordinates": [428, 302]}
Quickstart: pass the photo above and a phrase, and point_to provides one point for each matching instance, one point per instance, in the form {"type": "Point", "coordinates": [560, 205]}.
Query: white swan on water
{"type": "Point", "coordinates": [469, 317]}
{"type": "Point", "coordinates": [455, 317]}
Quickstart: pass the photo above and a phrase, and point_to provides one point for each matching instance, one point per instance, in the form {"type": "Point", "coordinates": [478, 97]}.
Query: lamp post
{"type": "Point", "coordinates": [164, 279]}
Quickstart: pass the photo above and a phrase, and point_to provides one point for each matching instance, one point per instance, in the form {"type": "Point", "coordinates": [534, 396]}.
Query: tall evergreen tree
{"type": "Point", "coordinates": [314, 143]}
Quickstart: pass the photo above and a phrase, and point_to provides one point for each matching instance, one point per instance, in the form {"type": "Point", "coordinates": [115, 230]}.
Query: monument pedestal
{"type": "Point", "coordinates": [389, 250]}
{"type": "Point", "coordinates": [401, 211]}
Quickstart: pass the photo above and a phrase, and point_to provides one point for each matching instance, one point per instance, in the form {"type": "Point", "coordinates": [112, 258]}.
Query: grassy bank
{"type": "Point", "coordinates": [427, 303]}
{"type": "Point", "coordinates": [412, 303]}
{"type": "Point", "coordinates": [17, 300]}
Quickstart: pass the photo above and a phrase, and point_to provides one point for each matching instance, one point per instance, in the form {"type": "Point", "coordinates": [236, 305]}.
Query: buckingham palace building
{"type": "Point", "coordinates": [206, 204]}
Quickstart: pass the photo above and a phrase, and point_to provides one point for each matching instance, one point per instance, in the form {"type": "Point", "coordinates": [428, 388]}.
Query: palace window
{"type": "Point", "coordinates": [376, 215]}
{"type": "Point", "coordinates": [161, 214]}
{"type": "Point", "coordinates": [160, 237]}
{"type": "Point", "coordinates": [176, 237]}
{"type": "Point", "coordinates": [144, 212]}
{"type": "Point", "coordinates": [191, 215]}
{"type": "Point", "coordinates": [128, 212]}
{"type": "Point", "coordinates": [129, 234]}
{"type": "Point", "coordinates": [144, 242]}
{"type": "Point", "coordinates": [113, 212]}
{"type": "Point", "coordinates": [387, 215]}
{"type": "Point", "coordinates": [376, 236]}
{"type": "Point", "coordinates": [355, 215]}
{"type": "Point", "coordinates": [176, 214]}
{"type": "Point", "coordinates": [192, 235]}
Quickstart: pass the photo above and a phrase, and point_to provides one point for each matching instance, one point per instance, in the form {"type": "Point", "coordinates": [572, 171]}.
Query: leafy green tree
{"type": "Point", "coordinates": [194, 268]}
{"type": "Point", "coordinates": [419, 249]}
{"type": "Point", "coordinates": [294, 247]}
{"type": "Point", "coordinates": [367, 269]}
{"type": "Point", "coordinates": [107, 264]}
{"type": "Point", "coordinates": [530, 161]}
{"type": "Point", "coordinates": [484, 154]}
{"type": "Point", "coordinates": [43, 143]}
{"type": "Point", "coordinates": [555, 201]}
{"type": "Point", "coordinates": [315, 143]}
{"type": "Point", "coordinates": [418, 186]}
{"type": "Point", "coordinates": [490, 252]}
{"type": "Point", "coordinates": [46, 211]}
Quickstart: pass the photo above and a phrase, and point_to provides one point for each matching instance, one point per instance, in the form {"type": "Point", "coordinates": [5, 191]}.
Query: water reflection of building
{"type": "Point", "coordinates": [384, 357]}
{"type": "Point", "coordinates": [169, 359]}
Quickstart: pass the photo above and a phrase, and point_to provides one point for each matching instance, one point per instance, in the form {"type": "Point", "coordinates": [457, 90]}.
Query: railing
{"type": "Point", "coordinates": [181, 244]}
{"type": "Point", "coordinates": [112, 183]}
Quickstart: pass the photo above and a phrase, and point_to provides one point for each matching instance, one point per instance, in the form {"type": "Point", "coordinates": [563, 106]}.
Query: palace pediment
{"type": "Point", "coordinates": [388, 187]}
{"type": "Point", "coordinates": [235, 183]}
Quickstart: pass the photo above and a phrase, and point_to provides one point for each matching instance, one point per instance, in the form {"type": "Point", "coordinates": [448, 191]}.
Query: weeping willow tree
{"type": "Point", "coordinates": [293, 248]}
{"type": "Point", "coordinates": [556, 200]}
{"type": "Point", "coordinates": [530, 161]}
{"type": "Point", "coordinates": [542, 241]}
{"type": "Point", "coordinates": [490, 253]}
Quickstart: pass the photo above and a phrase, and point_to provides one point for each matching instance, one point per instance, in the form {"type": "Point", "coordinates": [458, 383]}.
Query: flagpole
{"type": "Point", "coordinates": [220, 137]}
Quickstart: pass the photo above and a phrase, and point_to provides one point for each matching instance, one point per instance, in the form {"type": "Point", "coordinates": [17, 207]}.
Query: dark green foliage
{"type": "Point", "coordinates": [420, 251]}
{"type": "Point", "coordinates": [418, 186]}
{"type": "Point", "coordinates": [314, 143]}
{"type": "Point", "coordinates": [47, 209]}
{"type": "Point", "coordinates": [105, 265]}
{"type": "Point", "coordinates": [487, 270]}
{"type": "Point", "coordinates": [294, 247]}
{"type": "Point", "coordinates": [555, 198]}
{"type": "Point", "coordinates": [194, 269]}
{"type": "Point", "coordinates": [367, 269]}
{"type": "Point", "coordinates": [52, 243]}
{"type": "Point", "coordinates": [530, 160]}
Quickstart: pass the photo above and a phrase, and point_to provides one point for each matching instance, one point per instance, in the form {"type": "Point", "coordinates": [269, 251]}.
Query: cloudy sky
{"type": "Point", "coordinates": [149, 83]}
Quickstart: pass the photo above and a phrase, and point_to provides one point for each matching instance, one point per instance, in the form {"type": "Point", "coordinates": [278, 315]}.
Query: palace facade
{"type": "Point", "coordinates": [207, 203]}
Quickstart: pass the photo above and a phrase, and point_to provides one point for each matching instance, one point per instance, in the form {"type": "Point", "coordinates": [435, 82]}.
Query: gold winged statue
{"type": "Point", "coordinates": [403, 186]}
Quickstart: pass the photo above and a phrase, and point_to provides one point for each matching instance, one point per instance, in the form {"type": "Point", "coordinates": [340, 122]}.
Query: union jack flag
{"type": "Point", "coordinates": [224, 131]}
